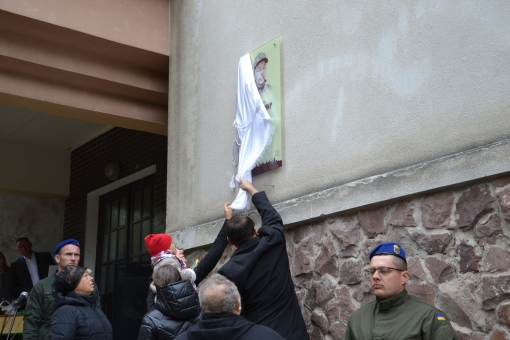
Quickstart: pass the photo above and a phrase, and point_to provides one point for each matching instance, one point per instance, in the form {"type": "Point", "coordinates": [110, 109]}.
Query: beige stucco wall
{"type": "Point", "coordinates": [34, 169]}
{"type": "Point", "coordinates": [142, 24]}
{"type": "Point", "coordinates": [367, 88]}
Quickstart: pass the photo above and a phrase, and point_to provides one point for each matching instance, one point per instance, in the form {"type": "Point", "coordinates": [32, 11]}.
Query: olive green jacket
{"type": "Point", "coordinates": [39, 310]}
{"type": "Point", "coordinates": [400, 317]}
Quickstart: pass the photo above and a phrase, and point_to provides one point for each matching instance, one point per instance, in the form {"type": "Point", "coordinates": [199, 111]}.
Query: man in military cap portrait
{"type": "Point", "coordinates": [259, 72]}
{"type": "Point", "coordinates": [395, 314]}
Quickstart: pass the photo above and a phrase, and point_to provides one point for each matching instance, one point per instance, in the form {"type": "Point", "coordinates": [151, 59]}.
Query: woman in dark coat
{"type": "Point", "coordinates": [5, 279]}
{"type": "Point", "coordinates": [77, 312]}
{"type": "Point", "coordinates": [177, 307]}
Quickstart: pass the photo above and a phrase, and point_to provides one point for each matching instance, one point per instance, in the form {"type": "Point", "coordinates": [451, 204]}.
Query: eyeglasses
{"type": "Point", "coordinates": [382, 270]}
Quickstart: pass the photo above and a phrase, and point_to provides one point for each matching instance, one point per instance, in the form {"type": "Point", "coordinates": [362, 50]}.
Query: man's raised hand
{"type": "Point", "coordinates": [228, 212]}
{"type": "Point", "coordinates": [247, 186]}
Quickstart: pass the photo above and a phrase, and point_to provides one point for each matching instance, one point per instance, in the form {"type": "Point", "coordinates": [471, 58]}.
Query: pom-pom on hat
{"type": "Point", "coordinates": [156, 243]}
{"type": "Point", "coordinates": [68, 279]}
{"type": "Point", "coordinates": [65, 243]}
{"type": "Point", "coordinates": [389, 248]}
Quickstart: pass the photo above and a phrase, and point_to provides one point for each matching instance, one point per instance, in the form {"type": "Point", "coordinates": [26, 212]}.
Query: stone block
{"type": "Point", "coordinates": [300, 233]}
{"type": "Point", "coordinates": [316, 334]}
{"type": "Point", "coordinates": [402, 237]}
{"type": "Point", "coordinates": [319, 319]}
{"type": "Point", "coordinates": [469, 336]}
{"type": "Point", "coordinates": [346, 232]}
{"type": "Point", "coordinates": [337, 331]}
{"type": "Point", "coordinates": [496, 260]}
{"type": "Point", "coordinates": [500, 334]}
{"type": "Point", "coordinates": [454, 312]}
{"type": "Point", "coordinates": [403, 215]}
{"type": "Point", "coordinates": [319, 232]}
{"type": "Point", "coordinates": [495, 289]}
{"type": "Point", "coordinates": [468, 258]}
{"type": "Point", "coordinates": [350, 272]}
{"type": "Point", "coordinates": [347, 307]}
{"type": "Point", "coordinates": [503, 314]}
{"type": "Point", "coordinates": [436, 210]}
{"type": "Point", "coordinates": [302, 258]}
{"type": "Point", "coordinates": [332, 311]}
{"type": "Point", "coordinates": [432, 243]}
{"type": "Point", "coordinates": [366, 248]}
{"type": "Point", "coordinates": [472, 204]}
{"type": "Point", "coordinates": [459, 299]}
{"type": "Point", "coordinates": [361, 291]}
{"type": "Point", "coordinates": [422, 291]}
{"type": "Point", "coordinates": [504, 203]}
{"type": "Point", "coordinates": [372, 221]}
{"type": "Point", "coordinates": [325, 289]}
{"type": "Point", "coordinates": [440, 270]}
{"type": "Point", "coordinates": [415, 268]}
{"type": "Point", "coordinates": [310, 299]}
{"type": "Point", "coordinates": [326, 262]}
{"type": "Point", "coordinates": [502, 182]}
{"type": "Point", "coordinates": [488, 233]}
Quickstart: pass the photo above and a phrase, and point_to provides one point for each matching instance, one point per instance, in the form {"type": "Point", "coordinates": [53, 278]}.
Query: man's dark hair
{"type": "Point", "coordinates": [240, 229]}
{"type": "Point", "coordinates": [22, 239]}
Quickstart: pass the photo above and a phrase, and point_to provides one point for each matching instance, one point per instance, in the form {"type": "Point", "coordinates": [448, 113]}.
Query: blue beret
{"type": "Point", "coordinates": [389, 248]}
{"type": "Point", "coordinates": [65, 243]}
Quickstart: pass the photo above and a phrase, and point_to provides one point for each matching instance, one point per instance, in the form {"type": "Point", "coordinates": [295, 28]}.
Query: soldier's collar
{"type": "Point", "coordinates": [394, 301]}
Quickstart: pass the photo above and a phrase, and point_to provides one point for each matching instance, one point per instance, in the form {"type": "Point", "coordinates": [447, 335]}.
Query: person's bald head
{"type": "Point", "coordinates": [219, 295]}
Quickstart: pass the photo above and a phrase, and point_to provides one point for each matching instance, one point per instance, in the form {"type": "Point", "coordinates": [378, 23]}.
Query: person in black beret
{"type": "Point", "coordinates": [395, 314]}
{"type": "Point", "coordinates": [77, 314]}
{"type": "Point", "coordinates": [40, 301]}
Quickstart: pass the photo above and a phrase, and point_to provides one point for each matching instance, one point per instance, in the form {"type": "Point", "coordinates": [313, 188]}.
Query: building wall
{"type": "Point", "coordinates": [111, 19]}
{"type": "Point", "coordinates": [34, 169]}
{"type": "Point", "coordinates": [39, 219]}
{"type": "Point", "coordinates": [367, 88]}
{"type": "Point", "coordinates": [395, 127]}
{"type": "Point", "coordinates": [457, 246]}
{"type": "Point", "coordinates": [134, 151]}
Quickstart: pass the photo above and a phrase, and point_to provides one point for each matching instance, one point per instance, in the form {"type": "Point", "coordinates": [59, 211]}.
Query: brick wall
{"type": "Point", "coordinates": [457, 245]}
{"type": "Point", "coordinates": [134, 150]}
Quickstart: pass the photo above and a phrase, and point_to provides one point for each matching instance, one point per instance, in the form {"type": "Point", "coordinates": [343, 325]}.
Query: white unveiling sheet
{"type": "Point", "coordinates": [254, 128]}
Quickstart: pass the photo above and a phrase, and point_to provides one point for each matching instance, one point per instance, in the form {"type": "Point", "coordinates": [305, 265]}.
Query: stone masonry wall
{"type": "Point", "coordinates": [458, 248]}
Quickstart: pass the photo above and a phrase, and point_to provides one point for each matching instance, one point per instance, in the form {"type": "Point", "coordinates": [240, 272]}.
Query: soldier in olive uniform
{"type": "Point", "coordinates": [395, 314]}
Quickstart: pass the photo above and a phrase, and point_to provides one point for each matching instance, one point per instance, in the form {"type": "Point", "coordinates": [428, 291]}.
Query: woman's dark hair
{"type": "Point", "coordinates": [6, 268]}
{"type": "Point", "coordinates": [68, 279]}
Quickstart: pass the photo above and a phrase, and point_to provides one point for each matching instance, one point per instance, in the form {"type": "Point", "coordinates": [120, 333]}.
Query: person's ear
{"type": "Point", "coordinates": [255, 232]}
{"type": "Point", "coordinates": [230, 242]}
{"type": "Point", "coordinates": [405, 277]}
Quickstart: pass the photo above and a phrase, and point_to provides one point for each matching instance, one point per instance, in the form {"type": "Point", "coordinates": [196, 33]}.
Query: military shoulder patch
{"type": "Point", "coordinates": [440, 317]}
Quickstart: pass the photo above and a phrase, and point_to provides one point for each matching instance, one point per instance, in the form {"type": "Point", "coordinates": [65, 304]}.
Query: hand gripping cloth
{"type": "Point", "coordinates": [254, 128]}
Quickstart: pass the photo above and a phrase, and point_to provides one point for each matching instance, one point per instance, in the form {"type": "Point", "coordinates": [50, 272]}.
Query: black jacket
{"type": "Point", "coordinates": [228, 326]}
{"type": "Point", "coordinates": [260, 269]}
{"type": "Point", "coordinates": [206, 264]}
{"type": "Point", "coordinates": [20, 276]}
{"type": "Point", "coordinates": [176, 310]}
{"type": "Point", "coordinates": [79, 316]}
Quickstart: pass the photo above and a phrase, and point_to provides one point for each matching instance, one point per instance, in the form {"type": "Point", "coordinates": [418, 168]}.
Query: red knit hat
{"type": "Point", "coordinates": [156, 243]}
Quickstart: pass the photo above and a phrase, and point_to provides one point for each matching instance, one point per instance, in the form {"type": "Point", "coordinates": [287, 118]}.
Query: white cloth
{"type": "Point", "coordinates": [254, 128]}
{"type": "Point", "coordinates": [32, 268]}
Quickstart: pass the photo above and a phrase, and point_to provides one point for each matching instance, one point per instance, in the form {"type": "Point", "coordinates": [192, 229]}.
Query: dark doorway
{"type": "Point", "coordinates": [126, 216]}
